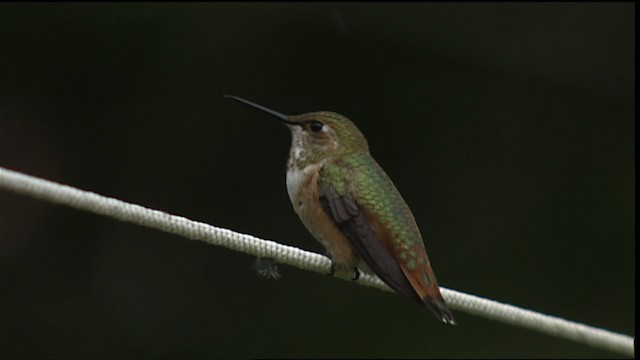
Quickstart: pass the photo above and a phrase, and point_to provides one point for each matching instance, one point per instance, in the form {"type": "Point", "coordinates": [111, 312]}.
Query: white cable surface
{"type": "Point", "coordinates": [89, 201]}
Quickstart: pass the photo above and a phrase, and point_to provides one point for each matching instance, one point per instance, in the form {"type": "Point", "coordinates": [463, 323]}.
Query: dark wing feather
{"type": "Point", "coordinates": [352, 221]}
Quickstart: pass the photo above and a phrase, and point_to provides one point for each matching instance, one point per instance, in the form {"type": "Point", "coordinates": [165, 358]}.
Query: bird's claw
{"type": "Point", "coordinates": [356, 274]}
{"type": "Point", "coordinates": [332, 271]}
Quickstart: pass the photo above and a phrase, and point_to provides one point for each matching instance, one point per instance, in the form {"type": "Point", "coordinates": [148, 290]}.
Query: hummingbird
{"type": "Point", "coordinates": [351, 206]}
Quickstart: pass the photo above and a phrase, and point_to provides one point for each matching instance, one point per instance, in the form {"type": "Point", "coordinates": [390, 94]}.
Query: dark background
{"type": "Point", "coordinates": [508, 128]}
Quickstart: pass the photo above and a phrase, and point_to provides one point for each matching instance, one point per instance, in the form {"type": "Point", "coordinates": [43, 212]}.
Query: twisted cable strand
{"type": "Point", "coordinates": [89, 201]}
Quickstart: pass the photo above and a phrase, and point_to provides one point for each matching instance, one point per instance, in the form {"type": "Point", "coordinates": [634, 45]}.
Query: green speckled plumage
{"type": "Point", "coordinates": [374, 191]}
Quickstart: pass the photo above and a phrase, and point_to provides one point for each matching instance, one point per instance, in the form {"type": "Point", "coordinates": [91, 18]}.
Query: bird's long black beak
{"type": "Point", "coordinates": [281, 116]}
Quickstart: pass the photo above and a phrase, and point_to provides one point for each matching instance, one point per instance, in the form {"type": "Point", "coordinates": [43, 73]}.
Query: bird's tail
{"type": "Point", "coordinates": [437, 305]}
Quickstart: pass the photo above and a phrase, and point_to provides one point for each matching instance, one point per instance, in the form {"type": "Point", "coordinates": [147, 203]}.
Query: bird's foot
{"type": "Point", "coordinates": [332, 271]}
{"type": "Point", "coordinates": [356, 274]}
{"type": "Point", "coordinates": [334, 268]}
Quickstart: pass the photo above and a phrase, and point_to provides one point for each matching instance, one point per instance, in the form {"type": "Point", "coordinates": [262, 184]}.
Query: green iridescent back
{"type": "Point", "coordinates": [376, 194]}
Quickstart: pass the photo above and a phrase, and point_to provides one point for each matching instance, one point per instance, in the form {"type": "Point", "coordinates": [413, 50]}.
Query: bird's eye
{"type": "Point", "coordinates": [316, 126]}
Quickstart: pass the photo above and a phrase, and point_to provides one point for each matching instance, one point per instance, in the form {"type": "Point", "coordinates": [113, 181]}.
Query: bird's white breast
{"type": "Point", "coordinates": [296, 178]}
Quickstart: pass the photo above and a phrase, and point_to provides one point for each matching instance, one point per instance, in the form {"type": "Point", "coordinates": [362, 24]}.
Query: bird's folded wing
{"type": "Point", "coordinates": [357, 227]}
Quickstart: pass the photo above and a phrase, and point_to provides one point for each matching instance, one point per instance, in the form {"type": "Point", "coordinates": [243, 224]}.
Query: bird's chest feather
{"type": "Point", "coordinates": [302, 185]}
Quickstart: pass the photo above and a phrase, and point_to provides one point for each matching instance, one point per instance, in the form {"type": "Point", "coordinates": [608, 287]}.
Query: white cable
{"type": "Point", "coordinates": [89, 201]}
